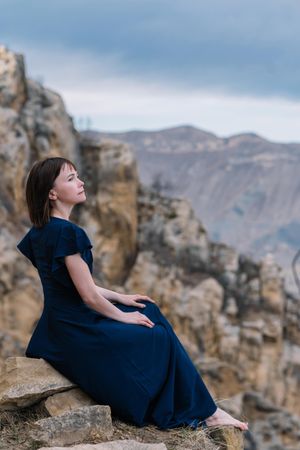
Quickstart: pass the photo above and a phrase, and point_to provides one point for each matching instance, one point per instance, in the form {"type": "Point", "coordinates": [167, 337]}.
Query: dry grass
{"type": "Point", "coordinates": [14, 427]}
{"type": "Point", "coordinates": [182, 438]}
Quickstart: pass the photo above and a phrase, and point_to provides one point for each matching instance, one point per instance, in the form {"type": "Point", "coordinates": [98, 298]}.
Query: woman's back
{"type": "Point", "coordinates": [46, 248]}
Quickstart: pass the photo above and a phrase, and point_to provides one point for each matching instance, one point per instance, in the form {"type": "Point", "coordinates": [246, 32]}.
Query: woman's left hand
{"type": "Point", "coordinates": [133, 299]}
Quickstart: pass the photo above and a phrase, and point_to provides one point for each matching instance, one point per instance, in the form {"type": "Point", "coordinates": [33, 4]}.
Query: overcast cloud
{"type": "Point", "coordinates": [224, 65]}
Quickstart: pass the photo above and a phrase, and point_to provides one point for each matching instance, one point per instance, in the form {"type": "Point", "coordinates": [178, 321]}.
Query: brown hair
{"type": "Point", "coordinates": [39, 183]}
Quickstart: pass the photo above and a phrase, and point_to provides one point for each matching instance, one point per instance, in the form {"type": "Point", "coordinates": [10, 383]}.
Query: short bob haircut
{"type": "Point", "coordinates": [39, 183]}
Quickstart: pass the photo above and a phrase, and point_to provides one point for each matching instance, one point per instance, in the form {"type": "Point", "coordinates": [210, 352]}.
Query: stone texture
{"type": "Point", "coordinates": [66, 401]}
{"type": "Point", "coordinates": [126, 444]}
{"type": "Point", "coordinates": [49, 128]}
{"type": "Point", "coordinates": [74, 426]}
{"type": "Point", "coordinates": [14, 157]}
{"type": "Point", "coordinates": [280, 431]}
{"type": "Point", "coordinates": [111, 219]}
{"type": "Point", "coordinates": [13, 87]}
{"type": "Point", "coordinates": [271, 427]}
{"type": "Point", "coordinates": [169, 228]}
{"type": "Point", "coordinates": [24, 381]}
{"type": "Point", "coordinates": [33, 124]}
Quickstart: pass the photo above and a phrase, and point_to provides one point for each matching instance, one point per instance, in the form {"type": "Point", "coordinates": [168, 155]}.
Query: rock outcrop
{"type": "Point", "coordinates": [72, 417]}
{"type": "Point", "coordinates": [232, 314]}
{"type": "Point", "coordinates": [243, 187]}
{"type": "Point", "coordinates": [25, 381]}
{"type": "Point", "coordinates": [74, 426]}
{"type": "Point", "coordinates": [114, 445]}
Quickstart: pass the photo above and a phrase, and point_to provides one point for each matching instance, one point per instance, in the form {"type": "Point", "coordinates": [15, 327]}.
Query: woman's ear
{"type": "Point", "coordinates": [52, 195]}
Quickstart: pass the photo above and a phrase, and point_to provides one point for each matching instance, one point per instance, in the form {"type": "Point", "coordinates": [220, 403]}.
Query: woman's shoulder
{"type": "Point", "coordinates": [51, 231]}
{"type": "Point", "coordinates": [56, 238]}
{"type": "Point", "coordinates": [66, 229]}
{"type": "Point", "coordinates": [57, 223]}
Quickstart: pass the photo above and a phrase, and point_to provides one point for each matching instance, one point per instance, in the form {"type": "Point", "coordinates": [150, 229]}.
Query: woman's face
{"type": "Point", "coordinates": [67, 187]}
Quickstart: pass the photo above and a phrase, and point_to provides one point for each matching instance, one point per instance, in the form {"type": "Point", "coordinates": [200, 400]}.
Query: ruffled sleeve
{"type": "Point", "coordinates": [71, 239]}
{"type": "Point", "coordinates": [25, 247]}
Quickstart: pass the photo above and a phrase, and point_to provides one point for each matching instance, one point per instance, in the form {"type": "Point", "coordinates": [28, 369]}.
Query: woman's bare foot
{"type": "Point", "coordinates": [221, 417]}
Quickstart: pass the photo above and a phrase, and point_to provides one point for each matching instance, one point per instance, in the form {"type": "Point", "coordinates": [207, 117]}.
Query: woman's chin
{"type": "Point", "coordinates": [82, 199]}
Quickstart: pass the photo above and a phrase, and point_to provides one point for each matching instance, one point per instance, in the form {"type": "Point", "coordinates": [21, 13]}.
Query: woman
{"type": "Point", "coordinates": [98, 338]}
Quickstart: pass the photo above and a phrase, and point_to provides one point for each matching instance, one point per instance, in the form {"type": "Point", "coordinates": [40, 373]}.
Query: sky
{"type": "Point", "coordinates": [225, 66]}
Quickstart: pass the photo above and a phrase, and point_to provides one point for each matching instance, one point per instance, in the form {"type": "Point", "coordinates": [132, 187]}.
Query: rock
{"type": "Point", "coordinates": [225, 380]}
{"type": "Point", "coordinates": [33, 124]}
{"type": "Point", "coordinates": [48, 127]}
{"type": "Point", "coordinates": [270, 426]}
{"type": "Point", "coordinates": [197, 314]}
{"type": "Point", "coordinates": [65, 401]}
{"type": "Point", "coordinates": [15, 155]}
{"type": "Point", "coordinates": [233, 405]}
{"type": "Point", "coordinates": [224, 307]}
{"type": "Point", "coordinates": [111, 221]}
{"type": "Point", "coordinates": [126, 444]}
{"type": "Point", "coordinates": [227, 438]}
{"type": "Point", "coordinates": [231, 307]}
{"type": "Point", "coordinates": [169, 228]}
{"type": "Point", "coordinates": [24, 381]}
{"type": "Point", "coordinates": [224, 260]}
{"type": "Point", "coordinates": [73, 427]}
{"type": "Point", "coordinates": [256, 406]}
{"type": "Point", "coordinates": [13, 87]}
{"type": "Point", "coordinates": [277, 431]}
{"type": "Point", "coordinates": [272, 284]}
{"type": "Point", "coordinates": [9, 346]}
{"type": "Point", "coordinates": [293, 319]}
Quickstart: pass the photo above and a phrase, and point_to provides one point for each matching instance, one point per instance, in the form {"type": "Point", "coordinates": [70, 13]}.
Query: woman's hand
{"type": "Point", "coordinates": [132, 300]}
{"type": "Point", "coordinates": [137, 318]}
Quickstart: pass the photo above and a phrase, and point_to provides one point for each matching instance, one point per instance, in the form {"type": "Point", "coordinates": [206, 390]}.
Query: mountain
{"type": "Point", "coordinates": [245, 188]}
{"type": "Point", "coordinates": [233, 315]}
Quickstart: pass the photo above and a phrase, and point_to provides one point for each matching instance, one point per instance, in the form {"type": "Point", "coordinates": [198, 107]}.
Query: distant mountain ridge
{"type": "Point", "coordinates": [244, 188]}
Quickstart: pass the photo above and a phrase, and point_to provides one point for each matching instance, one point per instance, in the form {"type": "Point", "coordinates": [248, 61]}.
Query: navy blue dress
{"type": "Point", "coordinates": [144, 374]}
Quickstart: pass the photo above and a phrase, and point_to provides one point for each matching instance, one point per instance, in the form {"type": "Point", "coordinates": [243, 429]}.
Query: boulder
{"type": "Point", "coordinates": [126, 444]}
{"type": "Point", "coordinates": [73, 427]}
{"type": "Point", "coordinates": [111, 180]}
{"type": "Point", "coordinates": [13, 82]}
{"type": "Point", "coordinates": [66, 401]}
{"type": "Point", "coordinates": [25, 381]}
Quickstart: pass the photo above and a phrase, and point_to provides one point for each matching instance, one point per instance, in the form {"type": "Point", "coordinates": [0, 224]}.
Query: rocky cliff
{"type": "Point", "coordinates": [244, 187]}
{"type": "Point", "coordinates": [234, 316]}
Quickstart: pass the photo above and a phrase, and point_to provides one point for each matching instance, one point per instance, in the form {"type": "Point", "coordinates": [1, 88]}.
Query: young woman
{"type": "Point", "coordinates": [118, 348]}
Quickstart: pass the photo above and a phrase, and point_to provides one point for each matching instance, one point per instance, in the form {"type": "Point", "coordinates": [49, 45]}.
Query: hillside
{"type": "Point", "coordinates": [232, 313]}
{"type": "Point", "coordinates": [245, 188]}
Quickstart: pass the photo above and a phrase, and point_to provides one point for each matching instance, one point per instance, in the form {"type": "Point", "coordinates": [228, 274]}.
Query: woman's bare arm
{"type": "Point", "coordinates": [108, 294]}
{"type": "Point", "coordinates": [85, 285]}
{"type": "Point", "coordinates": [89, 292]}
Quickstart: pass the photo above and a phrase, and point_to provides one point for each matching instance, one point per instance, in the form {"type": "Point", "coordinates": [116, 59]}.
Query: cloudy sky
{"type": "Point", "coordinates": [226, 66]}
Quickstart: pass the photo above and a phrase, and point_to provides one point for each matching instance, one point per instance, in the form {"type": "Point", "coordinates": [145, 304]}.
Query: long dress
{"type": "Point", "coordinates": [144, 374]}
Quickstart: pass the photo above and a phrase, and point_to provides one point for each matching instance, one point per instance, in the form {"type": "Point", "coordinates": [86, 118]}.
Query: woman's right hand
{"type": "Point", "coordinates": [137, 318]}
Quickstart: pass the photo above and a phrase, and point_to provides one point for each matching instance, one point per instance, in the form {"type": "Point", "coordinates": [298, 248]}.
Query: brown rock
{"type": "Point", "coordinates": [111, 178]}
{"type": "Point", "coordinates": [74, 426]}
{"type": "Point", "coordinates": [126, 444]}
{"type": "Point", "coordinates": [13, 81]}
{"type": "Point", "coordinates": [48, 127]}
{"type": "Point", "coordinates": [24, 381]}
{"type": "Point", "coordinates": [272, 284]}
{"type": "Point", "coordinates": [66, 401]}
